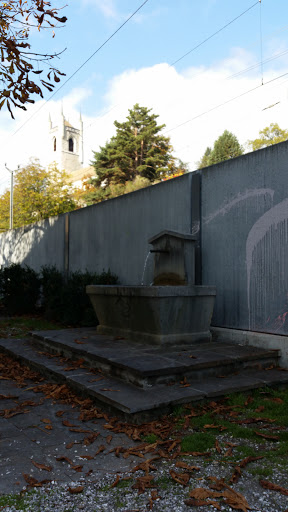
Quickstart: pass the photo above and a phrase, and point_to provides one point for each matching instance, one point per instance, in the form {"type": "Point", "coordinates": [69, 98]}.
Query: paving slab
{"type": "Point", "coordinates": [21, 443]}
{"type": "Point", "coordinates": [146, 381]}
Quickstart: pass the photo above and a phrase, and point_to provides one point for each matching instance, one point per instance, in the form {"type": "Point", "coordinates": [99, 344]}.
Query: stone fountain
{"type": "Point", "coordinates": [172, 311]}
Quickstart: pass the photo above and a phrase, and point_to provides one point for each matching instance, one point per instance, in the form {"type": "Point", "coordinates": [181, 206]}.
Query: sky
{"type": "Point", "coordinates": [167, 58]}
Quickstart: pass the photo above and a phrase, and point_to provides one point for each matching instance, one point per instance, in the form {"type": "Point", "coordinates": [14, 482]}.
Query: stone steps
{"type": "Point", "coordinates": [146, 365]}
{"type": "Point", "coordinates": [150, 382]}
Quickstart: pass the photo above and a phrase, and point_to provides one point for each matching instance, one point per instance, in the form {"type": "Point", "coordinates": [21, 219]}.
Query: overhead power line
{"type": "Point", "coordinates": [215, 34]}
{"type": "Point", "coordinates": [224, 103]}
{"type": "Point", "coordinates": [81, 66]}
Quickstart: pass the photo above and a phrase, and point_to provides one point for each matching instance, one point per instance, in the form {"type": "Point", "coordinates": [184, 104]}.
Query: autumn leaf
{"type": "Point", "coordinates": [183, 465]}
{"type": "Point", "coordinates": [180, 478]}
{"type": "Point", "coordinates": [42, 466]}
{"type": "Point", "coordinates": [273, 487]}
{"type": "Point", "coordinates": [143, 482]}
{"type": "Point", "coordinates": [100, 449]}
{"type": "Point", "coordinates": [191, 502]}
{"type": "Point", "coordinates": [76, 490]}
{"type": "Point", "coordinates": [217, 446]}
{"type": "Point", "coordinates": [46, 421]}
{"type": "Point", "coordinates": [267, 436]}
{"type": "Point", "coordinates": [64, 459]}
{"type": "Point", "coordinates": [115, 481]}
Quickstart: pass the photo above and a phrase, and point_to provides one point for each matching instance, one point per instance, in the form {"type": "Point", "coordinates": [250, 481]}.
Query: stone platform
{"type": "Point", "coordinates": [138, 381]}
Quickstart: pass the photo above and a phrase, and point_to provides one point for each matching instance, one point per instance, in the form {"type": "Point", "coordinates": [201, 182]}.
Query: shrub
{"type": "Point", "coordinates": [65, 300]}
{"type": "Point", "coordinates": [52, 281]}
{"type": "Point", "coordinates": [19, 289]}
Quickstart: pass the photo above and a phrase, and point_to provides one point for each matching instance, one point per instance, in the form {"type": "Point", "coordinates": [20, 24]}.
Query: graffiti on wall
{"type": "Point", "coordinates": [266, 254]}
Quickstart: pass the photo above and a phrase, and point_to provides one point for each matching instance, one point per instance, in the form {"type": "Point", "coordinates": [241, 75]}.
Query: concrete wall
{"type": "Point", "coordinates": [241, 208]}
{"type": "Point", "coordinates": [244, 240]}
{"type": "Point", "coordinates": [113, 234]}
{"type": "Point", "coordinates": [35, 245]}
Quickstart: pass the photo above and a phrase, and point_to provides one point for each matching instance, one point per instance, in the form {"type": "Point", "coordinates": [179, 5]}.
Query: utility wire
{"type": "Point", "coordinates": [254, 66]}
{"type": "Point", "coordinates": [261, 42]}
{"type": "Point", "coordinates": [225, 103]}
{"type": "Point", "coordinates": [215, 33]}
{"type": "Point", "coordinates": [80, 67]}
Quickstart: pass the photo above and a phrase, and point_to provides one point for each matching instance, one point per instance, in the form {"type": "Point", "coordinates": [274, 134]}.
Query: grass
{"type": "Point", "coordinates": [16, 500]}
{"type": "Point", "coordinates": [17, 327]}
{"type": "Point", "coordinates": [150, 438]}
{"type": "Point", "coordinates": [198, 442]}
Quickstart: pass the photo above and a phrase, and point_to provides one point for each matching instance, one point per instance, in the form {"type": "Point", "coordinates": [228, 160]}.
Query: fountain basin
{"type": "Point", "coordinates": [162, 315]}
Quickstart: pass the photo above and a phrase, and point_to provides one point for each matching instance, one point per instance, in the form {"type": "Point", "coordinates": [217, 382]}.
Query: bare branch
{"type": "Point", "coordinates": [17, 86]}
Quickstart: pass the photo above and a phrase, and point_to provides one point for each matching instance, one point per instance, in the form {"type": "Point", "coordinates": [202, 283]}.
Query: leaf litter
{"type": "Point", "coordinates": [166, 449]}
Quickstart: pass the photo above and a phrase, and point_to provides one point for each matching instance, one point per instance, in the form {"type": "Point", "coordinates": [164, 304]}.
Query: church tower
{"type": "Point", "coordinates": [66, 144]}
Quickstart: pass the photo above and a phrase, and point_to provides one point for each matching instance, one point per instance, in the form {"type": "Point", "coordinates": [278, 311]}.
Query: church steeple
{"type": "Point", "coordinates": [66, 144]}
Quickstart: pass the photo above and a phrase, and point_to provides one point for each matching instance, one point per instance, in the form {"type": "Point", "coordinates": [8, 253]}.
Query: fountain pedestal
{"type": "Point", "coordinates": [162, 315]}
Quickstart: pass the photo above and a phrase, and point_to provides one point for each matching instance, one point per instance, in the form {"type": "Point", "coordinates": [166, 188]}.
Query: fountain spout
{"type": "Point", "coordinates": [174, 261]}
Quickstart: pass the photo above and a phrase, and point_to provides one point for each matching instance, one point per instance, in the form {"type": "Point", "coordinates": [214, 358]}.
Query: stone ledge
{"type": "Point", "coordinates": [255, 339]}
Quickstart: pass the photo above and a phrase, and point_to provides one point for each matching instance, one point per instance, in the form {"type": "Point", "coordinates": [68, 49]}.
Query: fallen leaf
{"type": "Point", "coordinates": [183, 465]}
{"type": "Point", "coordinates": [76, 490]}
{"type": "Point", "coordinates": [246, 461]}
{"type": "Point", "coordinates": [100, 449]}
{"type": "Point", "coordinates": [77, 467]}
{"type": "Point", "coordinates": [267, 436]}
{"type": "Point", "coordinates": [143, 482]}
{"type": "Point", "coordinates": [109, 439]}
{"type": "Point", "coordinates": [109, 389]}
{"type": "Point", "coordinates": [217, 446]}
{"type": "Point", "coordinates": [275, 399]}
{"type": "Point", "coordinates": [90, 439]}
{"type": "Point", "coordinates": [46, 421]}
{"type": "Point", "coordinates": [273, 487]}
{"type": "Point", "coordinates": [67, 423]}
{"type": "Point", "coordinates": [80, 430]}
{"type": "Point", "coordinates": [41, 466]}
{"type": "Point", "coordinates": [249, 400]}
{"type": "Point", "coordinates": [260, 408]}
{"type": "Point", "coordinates": [191, 502]}
{"type": "Point", "coordinates": [64, 459]}
{"type": "Point", "coordinates": [180, 478]}
{"type": "Point", "coordinates": [115, 481]}
{"type": "Point", "coordinates": [236, 475]}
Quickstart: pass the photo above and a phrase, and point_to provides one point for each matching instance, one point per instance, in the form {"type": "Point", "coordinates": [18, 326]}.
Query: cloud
{"type": "Point", "coordinates": [196, 105]}
{"type": "Point", "coordinates": [107, 7]}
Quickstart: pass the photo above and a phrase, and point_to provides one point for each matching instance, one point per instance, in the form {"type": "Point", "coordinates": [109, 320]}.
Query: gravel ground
{"type": "Point", "coordinates": [114, 484]}
{"type": "Point", "coordinates": [98, 493]}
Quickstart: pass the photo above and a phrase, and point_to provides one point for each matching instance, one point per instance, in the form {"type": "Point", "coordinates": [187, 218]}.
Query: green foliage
{"type": "Point", "coordinates": [19, 501]}
{"type": "Point", "coordinates": [137, 149]}
{"type": "Point", "coordinates": [64, 300]}
{"type": "Point", "coordinates": [198, 442]}
{"type": "Point", "coordinates": [19, 327]}
{"type": "Point", "coordinates": [205, 160]}
{"type": "Point", "coordinates": [270, 135]}
{"type": "Point", "coordinates": [225, 147]}
{"type": "Point", "coordinates": [95, 195]}
{"type": "Point", "coordinates": [38, 193]}
{"type": "Point", "coordinates": [19, 288]}
{"type": "Point", "coordinates": [76, 305]}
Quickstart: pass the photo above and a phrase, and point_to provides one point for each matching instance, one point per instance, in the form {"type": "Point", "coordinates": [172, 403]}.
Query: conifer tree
{"type": "Point", "coordinates": [225, 147]}
{"type": "Point", "coordinates": [137, 149]}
